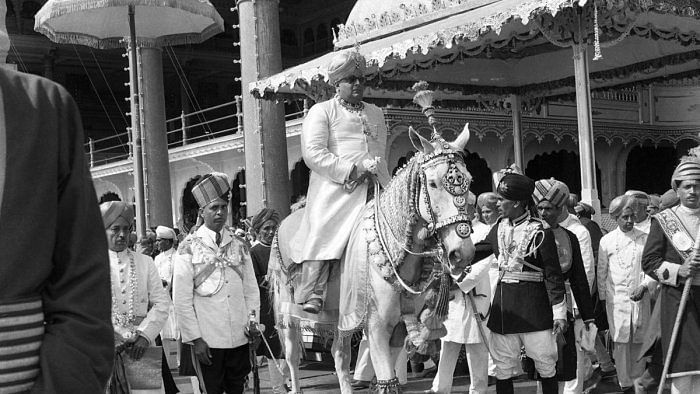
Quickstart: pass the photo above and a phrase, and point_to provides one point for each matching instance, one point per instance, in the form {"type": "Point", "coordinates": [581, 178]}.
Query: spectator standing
{"type": "Point", "coordinates": [621, 279]}
{"type": "Point", "coordinates": [140, 304]}
{"type": "Point", "coordinates": [264, 224]}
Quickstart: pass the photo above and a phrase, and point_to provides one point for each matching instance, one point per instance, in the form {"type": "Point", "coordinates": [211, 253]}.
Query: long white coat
{"type": "Point", "coordinates": [332, 141]}
{"type": "Point", "coordinates": [151, 302]}
{"type": "Point", "coordinates": [619, 273]}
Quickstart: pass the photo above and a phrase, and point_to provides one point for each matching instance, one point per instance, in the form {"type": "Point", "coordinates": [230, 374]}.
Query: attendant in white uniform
{"type": "Point", "coordinates": [621, 279]}
{"type": "Point", "coordinates": [140, 304]}
{"type": "Point", "coordinates": [462, 325]}
{"type": "Point", "coordinates": [215, 292]}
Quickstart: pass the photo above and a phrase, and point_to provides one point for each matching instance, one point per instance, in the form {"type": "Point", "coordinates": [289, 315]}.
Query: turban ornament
{"type": "Point", "coordinates": [346, 64]}
{"type": "Point", "coordinates": [551, 190]}
{"type": "Point", "coordinates": [211, 187]}
{"type": "Point", "coordinates": [113, 210]}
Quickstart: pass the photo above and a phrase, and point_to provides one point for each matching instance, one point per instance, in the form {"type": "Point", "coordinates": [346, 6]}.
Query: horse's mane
{"type": "Point", "coordinates": [398, 204]}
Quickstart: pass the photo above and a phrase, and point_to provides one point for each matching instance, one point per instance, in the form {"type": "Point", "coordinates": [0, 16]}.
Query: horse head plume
{"type": "Point", "coordinates": [426, 147]}
{"type": "Point", "coordinates": [461, 141]}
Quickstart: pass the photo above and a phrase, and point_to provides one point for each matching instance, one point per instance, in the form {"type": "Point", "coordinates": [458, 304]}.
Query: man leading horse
{"type": "Point", "coordinates": [340, 139]}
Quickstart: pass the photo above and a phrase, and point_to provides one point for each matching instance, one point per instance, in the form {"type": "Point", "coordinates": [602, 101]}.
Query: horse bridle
{"type": "Point", "coordinates": [454, 182]}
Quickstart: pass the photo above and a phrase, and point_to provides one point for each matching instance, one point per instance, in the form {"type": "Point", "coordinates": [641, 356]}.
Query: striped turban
{"type": "Point", "coordinates": [688, 170]}
{"type": "Point", "coordinates": [211, 187]}
{"type": "Point", "coordinates": [346, 64]}
{"type": "Point", "coordinates": [263, 216]}
{"type": "Point", "coordinates": [618, 204]}
{"type": "Point", "coordinates": [113, 210]}
{"type": "Point", "coordinates": [551, 190]}
{"type": "Point", "coordinates": [515, 187]}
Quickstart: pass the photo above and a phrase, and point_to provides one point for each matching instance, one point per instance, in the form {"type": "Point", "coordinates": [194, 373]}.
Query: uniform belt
{"type": "Point", "coordinates": [526, 276]}
{"type": "Point", "coordinates": [21, 333]}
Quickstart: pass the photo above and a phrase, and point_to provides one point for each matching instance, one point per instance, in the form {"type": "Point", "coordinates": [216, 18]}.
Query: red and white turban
{"type": "Point", "coordinates": [551, 190]}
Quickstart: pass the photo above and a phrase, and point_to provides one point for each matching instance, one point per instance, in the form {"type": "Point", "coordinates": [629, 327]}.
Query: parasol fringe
{"type": "Point", "coordinates": [55, 10]}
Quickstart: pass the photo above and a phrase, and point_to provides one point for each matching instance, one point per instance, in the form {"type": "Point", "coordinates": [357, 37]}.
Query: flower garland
{"type": "Point", "coordinates": [124, 321]}
{"type": "Point", "coordinates": [625, 265]}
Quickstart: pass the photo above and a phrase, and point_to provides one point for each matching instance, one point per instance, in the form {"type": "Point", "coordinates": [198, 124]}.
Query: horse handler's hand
{"type": "Point", "coordinates": [638, 293]}
{"type": "Point", "coordinates": [138, 348]}
{"type": "Point", "coordinates": [202, 352]}
{"type": "Point", "coordinates": [559, 326]}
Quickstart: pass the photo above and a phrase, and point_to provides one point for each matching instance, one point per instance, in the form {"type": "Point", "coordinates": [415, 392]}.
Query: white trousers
{"type": "Point", "coordinates": [628, 368]}
{"type": "Point", "coordinates": [685, 384]}
{"type": "Point", "coordinates": [477, 358]}
{"type": "Point", "coordinates": [364, 370]}
{"type": "Point", "coordinates": [540, 346]}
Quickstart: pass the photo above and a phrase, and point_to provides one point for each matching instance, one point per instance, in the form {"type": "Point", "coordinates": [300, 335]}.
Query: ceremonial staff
{"type": "Point", "coordinates": [679, 315]}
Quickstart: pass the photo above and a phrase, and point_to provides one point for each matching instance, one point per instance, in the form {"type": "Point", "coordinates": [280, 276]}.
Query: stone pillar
{"type": "Point", "coordinates": [516, 107]}
{"type": "Point", "coordinates": [589, 192]}
{"type": "Point", "coordinates": [267, 181]}
{"type": "Point", "coordinates": [155, 147]}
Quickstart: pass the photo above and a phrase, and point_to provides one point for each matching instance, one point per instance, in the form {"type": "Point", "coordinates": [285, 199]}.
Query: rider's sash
{"type": "Point", "coordinates": [676, 232]}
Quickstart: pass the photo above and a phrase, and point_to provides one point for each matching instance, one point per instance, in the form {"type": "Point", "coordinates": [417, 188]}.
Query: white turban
{"type": "Point", "coordinates": [163, 232]}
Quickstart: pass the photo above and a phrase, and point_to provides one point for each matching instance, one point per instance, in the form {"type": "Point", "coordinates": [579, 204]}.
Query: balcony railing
{"type": "Point", "coordinates": [185, 129]}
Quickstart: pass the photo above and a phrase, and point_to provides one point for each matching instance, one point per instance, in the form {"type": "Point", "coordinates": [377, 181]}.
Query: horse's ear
{"type": "Point", "coordinates": [426, 147]}
{"type": "Point", "coordinates": [461, 141]}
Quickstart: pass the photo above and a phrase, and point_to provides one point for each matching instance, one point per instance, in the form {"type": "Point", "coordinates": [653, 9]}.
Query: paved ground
{"type": "Point", "coordinates": [319, 377]}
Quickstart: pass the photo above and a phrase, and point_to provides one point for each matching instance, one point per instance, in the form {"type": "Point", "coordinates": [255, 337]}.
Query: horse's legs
{"type": "Point", "coordinates": [292, 356]}
{"type": "Point", "coordinates": [341, 356]}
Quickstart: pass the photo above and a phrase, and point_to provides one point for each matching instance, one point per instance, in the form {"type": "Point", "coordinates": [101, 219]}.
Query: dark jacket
{"type": "Point", "coordinates": [52, 235]}
{"type": "Point", "coordinates": [526, 306]}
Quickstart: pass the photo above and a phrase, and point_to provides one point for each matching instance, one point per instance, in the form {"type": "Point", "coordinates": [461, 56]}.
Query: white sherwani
{"type": "Point", "coordinates": [332, 141]}
{"type": "Point", "coordinates": [151, 301]}
{"type": "Point", "coordinates": [573, 224]}
{"type": "Point", "coordinates": [219, 318]}
{"type": "Point", "coordinates": [619, 273]}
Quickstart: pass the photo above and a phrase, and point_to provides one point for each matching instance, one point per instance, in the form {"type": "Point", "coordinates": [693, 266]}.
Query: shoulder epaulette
{"type": "Point", "coordinates": [186, 245]}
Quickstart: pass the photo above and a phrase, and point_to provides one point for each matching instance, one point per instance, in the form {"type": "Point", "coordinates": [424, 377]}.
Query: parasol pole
{"type": "Point", "coordinates": [136, 128]}
{"type": "Point", "coordinates": [679, 317]}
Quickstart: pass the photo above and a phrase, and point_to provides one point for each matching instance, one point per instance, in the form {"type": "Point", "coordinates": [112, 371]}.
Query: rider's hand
{"type": "Point", "coordinates": [202, 352]}
{"type": "Point", "coordinates": [638, 293]}
{"type": "Point", "coordinates": [138, 348]}
{"type": "Point", "coordinates": [559, 326]}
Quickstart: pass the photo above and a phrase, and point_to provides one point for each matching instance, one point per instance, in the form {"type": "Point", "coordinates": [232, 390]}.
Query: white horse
{"type": "Point", "coordinates": [421, 216]}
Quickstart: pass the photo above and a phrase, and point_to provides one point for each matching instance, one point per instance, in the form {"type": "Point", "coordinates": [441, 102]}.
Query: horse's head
{"type": "Point", "coordinates": [443, 197]}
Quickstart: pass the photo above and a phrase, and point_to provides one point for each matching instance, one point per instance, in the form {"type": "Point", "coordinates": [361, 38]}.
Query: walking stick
{"type": "Point", "coordinates": [679, 317]}
{"type": "Point", "coordinates": [252, 345]}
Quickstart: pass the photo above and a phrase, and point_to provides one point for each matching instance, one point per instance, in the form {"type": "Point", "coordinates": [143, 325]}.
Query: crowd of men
{"type": "Point", "coordinates": [78, 313]}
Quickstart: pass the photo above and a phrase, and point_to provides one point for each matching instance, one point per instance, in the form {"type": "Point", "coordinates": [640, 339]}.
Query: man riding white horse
{"type": "Point", "coordinates": [342, 140]}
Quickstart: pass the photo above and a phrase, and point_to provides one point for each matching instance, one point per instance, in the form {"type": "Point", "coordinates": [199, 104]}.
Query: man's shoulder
{"type": "Point", "coordinates": [34, 86]}
{"type": "Point", "coordinates": [185, 246]}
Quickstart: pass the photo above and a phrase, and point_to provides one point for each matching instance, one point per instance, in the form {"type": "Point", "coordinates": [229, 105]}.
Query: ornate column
{"type": "Point", "coordinates": [155, 148]}
{"type": "Point", "coordinates": [267, 182]}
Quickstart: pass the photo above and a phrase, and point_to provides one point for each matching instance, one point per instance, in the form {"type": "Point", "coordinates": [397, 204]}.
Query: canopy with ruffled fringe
{"type": "Point", "coordinates": [504, 46]}
{"type": "Point", "coordinates": [103, 24]}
